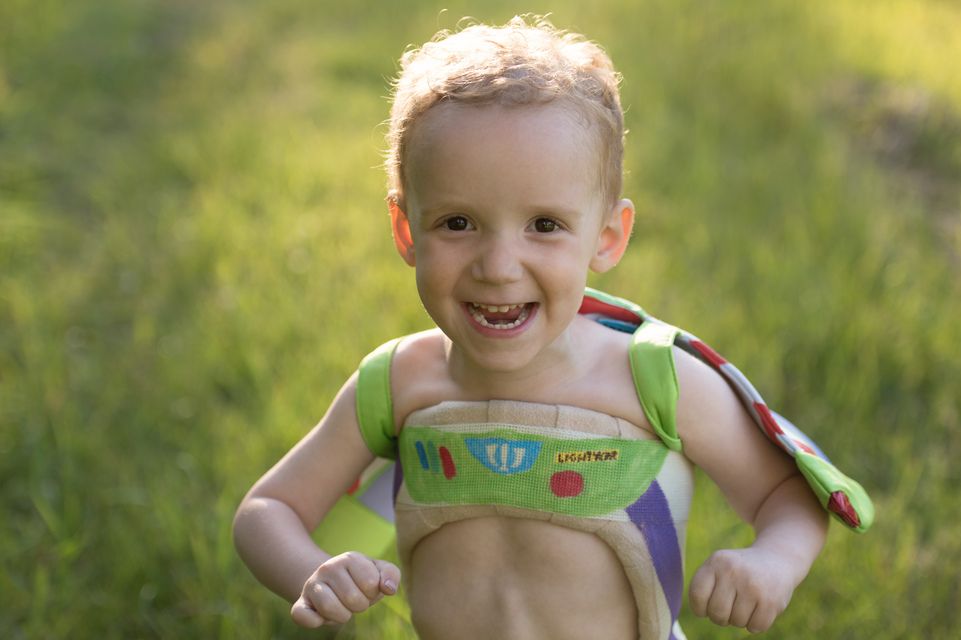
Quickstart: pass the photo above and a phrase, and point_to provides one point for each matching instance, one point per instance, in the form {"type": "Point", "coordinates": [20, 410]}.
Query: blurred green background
{"type": "Point", "coordinates": [194, 254]}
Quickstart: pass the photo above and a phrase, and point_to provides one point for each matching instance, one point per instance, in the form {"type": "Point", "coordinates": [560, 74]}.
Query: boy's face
{"type": "Point", "coordinates": [502, 218]}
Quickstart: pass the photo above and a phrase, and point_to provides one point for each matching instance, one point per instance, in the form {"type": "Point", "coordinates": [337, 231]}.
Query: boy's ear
{"type": "Point", "coordinates": [400, 226]}
{"type": "Point", "coordinates": [614, 237]}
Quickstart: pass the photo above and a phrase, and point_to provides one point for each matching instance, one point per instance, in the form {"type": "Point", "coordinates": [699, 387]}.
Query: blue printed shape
{"type": "Point", "coordinates": [504, 457]}
{"type": "Point", "coordinates": [422, 455]}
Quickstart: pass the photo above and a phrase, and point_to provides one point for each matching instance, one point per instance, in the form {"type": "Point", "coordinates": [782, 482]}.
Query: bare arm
{"type": "Point", "coordinates": [746, 587]}
{"type": "Point", "coordinates": [276, 546]}
{"type": "Point", "coordinates": [273, 523]}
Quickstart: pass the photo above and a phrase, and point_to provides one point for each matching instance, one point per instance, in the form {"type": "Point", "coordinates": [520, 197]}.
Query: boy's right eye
{"type": "Point", "coordinates": [457, 223]}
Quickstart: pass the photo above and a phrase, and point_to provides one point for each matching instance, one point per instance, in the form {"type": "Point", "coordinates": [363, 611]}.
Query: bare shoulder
{"type": "Point", "coordinates": [606, 355]}
{"type": "Point", "coordinates": [701, 387]}
{"type": "Point", "coordinates": [605, 382]}
{"type": "Point", "coordinates": [719, 436]}
{"type": "Point", "coordinates": [709, 412]}
{"type": "Point", "coordinates": [419, 374]}
{"type": "Point", "coordinates": [419, 349]}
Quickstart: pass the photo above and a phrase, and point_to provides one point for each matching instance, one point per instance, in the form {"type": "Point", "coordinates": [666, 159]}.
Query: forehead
{"type": "Point", "coordinates": [451, 122]}
{"type": "Point", "coordinates": [549, 146]}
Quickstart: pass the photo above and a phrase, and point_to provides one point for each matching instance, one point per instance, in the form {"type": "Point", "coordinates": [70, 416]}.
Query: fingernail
{"type": "Point", "coordinates": [390, 586]}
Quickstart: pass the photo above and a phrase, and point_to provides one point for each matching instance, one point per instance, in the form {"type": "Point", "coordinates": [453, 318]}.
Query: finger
{"type": "Point", "coordinates": [716, 593]}
{"type": "Point", "coordinates": [720, 605]}
{"type": "Point", "coordinates": [347, 591]}
{"type": "Point", "coordinates": [762, 619]}
{"type": "Point", "coordinates": [325, 601]}
{"type": "Point", "coordinates": [305, 615]}
{"type": "Point", "coordinates": [699, 593]}
{"type": "Point", "coordinates": [389, 577]}
{"type": "Point", "coordinates": [742, 610]}
{"type": "Point", "coordinates": [366, 578]}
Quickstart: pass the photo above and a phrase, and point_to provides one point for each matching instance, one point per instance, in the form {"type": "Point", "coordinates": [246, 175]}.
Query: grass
{"type": "Point", "coordinates": [194, 254]}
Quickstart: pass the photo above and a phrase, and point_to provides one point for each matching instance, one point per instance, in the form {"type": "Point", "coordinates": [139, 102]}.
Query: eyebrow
{"type": "Point", "coordinates": [556, 210]}
{"type": "Point", "coordinates": [443, 207]}
{"type": "Point", "coordinates": [541, 209]}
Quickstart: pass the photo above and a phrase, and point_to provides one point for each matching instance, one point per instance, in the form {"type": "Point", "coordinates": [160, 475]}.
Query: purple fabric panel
{"type": "Point", "coordinates": [652, 516]}
{"type": "Point", "coordinates": [379, 496]}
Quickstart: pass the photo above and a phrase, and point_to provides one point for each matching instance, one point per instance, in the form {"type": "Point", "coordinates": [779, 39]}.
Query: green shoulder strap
{"type": "Point", "coordinates": [655, 378]}
{"type": "Point", "coordinates": [375, 411]}
{"type": "Point", "coordinates": [652, 365]}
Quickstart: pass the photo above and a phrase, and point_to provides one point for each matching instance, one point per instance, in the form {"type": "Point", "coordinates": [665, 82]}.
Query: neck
{"type": "Point", "coordinates": [555, 368]}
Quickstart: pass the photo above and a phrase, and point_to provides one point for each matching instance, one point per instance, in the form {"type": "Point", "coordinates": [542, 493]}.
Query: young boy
{"type": "Point", "coordinates": [505, 177]}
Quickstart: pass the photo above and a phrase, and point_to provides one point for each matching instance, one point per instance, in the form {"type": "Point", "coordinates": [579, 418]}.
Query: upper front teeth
{"type": "Point", "coordinates": [504, 308]}
{"type": "Point", "coordinates": [477, 311]}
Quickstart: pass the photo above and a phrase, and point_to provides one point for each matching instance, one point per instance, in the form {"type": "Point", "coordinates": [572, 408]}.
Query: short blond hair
{"type": "Point", "coordinates": [524, 62]}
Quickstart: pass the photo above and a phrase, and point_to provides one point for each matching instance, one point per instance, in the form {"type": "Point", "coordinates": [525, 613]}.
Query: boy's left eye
{"type": "Point", "coordinates": [457, 223]}
{"type": "Point", "coordinates": [545, 225]}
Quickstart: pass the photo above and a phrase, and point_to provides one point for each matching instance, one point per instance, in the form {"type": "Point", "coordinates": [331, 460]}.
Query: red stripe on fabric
{"type": "Point", "coordinates": [447, 463]}
{"type": "Point", "coordinates": [712, 356]}
{"type": "Point", "coordinates": [768, 422]}
{"type": "Point", "coordinates": [354, 487]}
{"type": "Point", "coordinates": [840, 505]}
{"type": "Point", "coordinates": [804, 447]}
{"type": "Point", "coordinates": [593, 305]}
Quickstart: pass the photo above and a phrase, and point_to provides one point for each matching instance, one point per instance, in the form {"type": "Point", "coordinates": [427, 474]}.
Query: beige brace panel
{"type": "Point", "coordinates": [415, 521]}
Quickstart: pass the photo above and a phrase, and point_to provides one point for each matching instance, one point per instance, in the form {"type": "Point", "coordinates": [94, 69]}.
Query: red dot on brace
{"type": "Point", "coordinates": [567, 484]}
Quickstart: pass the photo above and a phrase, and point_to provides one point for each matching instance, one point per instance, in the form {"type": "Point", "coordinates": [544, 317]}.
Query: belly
{"type": "Point", "coordinates": [500, 577]}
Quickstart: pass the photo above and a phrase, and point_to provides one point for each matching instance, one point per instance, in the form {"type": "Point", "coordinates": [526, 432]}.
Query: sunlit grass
{"type": "Point", "coordinates": [194, 255]}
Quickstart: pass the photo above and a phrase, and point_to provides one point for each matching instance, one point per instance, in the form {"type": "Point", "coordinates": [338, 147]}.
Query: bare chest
{"type": "Point", "coordinates": [508, 577]}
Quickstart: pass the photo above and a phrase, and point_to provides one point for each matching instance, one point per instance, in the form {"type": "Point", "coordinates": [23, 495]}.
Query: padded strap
{"type": "Point", "coordinates": [375, 411]}
{"type": "Point", "coordinates": [655, 378]}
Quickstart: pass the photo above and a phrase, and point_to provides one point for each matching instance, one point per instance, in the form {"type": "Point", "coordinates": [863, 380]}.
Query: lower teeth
{"type": "Point", "coordinates": [481, 320]}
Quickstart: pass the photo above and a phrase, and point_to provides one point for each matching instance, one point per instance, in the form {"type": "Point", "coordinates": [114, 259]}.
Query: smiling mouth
{"type": "Point", "coordinates": [501, 317]}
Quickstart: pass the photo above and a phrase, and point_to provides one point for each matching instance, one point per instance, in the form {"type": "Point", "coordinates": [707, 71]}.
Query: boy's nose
{"type": "Point", "coordinates": [498, 262]}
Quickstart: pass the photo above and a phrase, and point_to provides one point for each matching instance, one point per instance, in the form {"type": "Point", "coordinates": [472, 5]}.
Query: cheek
{"type": "Point", "coordinates": [565, 277]}
{"type": "Point", "coordinates": [426, 278]}
{"type": "Point", "coordinates": [570, 258]}
{"type": "Point", "coordinates": [434, 274]}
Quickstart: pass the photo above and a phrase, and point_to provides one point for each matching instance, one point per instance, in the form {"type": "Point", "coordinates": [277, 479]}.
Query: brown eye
{"type": "Point", "coordinates": [545, 225]}
{"type": "Point", "coordinates": [457, 223]}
